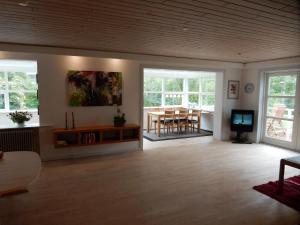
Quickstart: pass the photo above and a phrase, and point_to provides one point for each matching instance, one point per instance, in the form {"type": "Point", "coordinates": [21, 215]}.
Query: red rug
{"type": "Point", "coordinates": [290, 195]}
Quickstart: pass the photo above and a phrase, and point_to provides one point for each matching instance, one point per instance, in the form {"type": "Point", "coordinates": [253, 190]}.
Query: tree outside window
{"type": "Point", "coordinates": [152, 84]}
{"type": "Point", "coordinates": [152, 92]}
{"type": "Point", "coordinates": [152, 99]}
{"type": "Point", "coordinates": [193, 85]}
{"type": "Point", "coordinates": [19, 90]}
{"type": "Point", "coordinates": [173, 100]}
{"type": "Point", "coordinates": [193, 91]}
{"type": "Point", "coordinates": [208, 100]}
{"type": "Point", "coordinates": [2, 101]}
{"type": "Point", "coordinates": [174, 84]}
{"type": "Point", "coordinates": [193, 99]}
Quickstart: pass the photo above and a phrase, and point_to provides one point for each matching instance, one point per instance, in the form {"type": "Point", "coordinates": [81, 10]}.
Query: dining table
{"type": "Point", "coordinates": [161, 114]}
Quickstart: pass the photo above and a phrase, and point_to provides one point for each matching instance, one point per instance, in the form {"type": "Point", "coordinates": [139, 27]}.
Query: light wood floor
{"type": "Point", "coordinates": [188, 183]}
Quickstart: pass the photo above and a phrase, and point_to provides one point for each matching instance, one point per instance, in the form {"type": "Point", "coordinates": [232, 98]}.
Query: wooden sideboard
{"type": "Point", "coordinates": [95, 135]}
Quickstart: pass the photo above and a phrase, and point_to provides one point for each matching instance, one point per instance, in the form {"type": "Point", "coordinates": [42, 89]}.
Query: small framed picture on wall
{"type": "Point", "coordinates": [233, 89]}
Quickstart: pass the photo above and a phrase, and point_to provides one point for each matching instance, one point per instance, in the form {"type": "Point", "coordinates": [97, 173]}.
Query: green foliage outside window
{"type": "Point", "coordinates": [208, 100]}
{"type": "Point", "coordinates": [193, 85]}
{"type": "Point", "coordinates": [2, 101]}
{"type": "Point", "coordinates": [22, 90]}
{"type": "Point", "coordinates": [173, 101]}
{"type": "Point", "coordinates": [193, 99]}
{"type": "Point", "coordinates": [20, 81]}
{"type": "Point", "coordinates": [174, 84]}
{"type": "Point", "coordinates": [19, 101]}
{"type": "Point", "coordinates": [2, 81]}
{"type": "Point", "coordinates": [152, 84]}
{"type": "Point", "coordinates": [152, 99]}
{"type": "Point", "coordinates": [208, 85]}
{"type": "Point", "coordinates": [282, 85]}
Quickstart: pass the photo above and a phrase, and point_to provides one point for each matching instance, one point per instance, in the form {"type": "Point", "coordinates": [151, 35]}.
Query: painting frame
{"type": "Point", "coordinates": [233, 89]}
{"type": "Point", "coordinates": [94, 88]}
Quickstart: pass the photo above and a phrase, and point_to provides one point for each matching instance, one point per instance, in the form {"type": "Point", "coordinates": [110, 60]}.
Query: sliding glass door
{"type": "Point", "coordinates": [281, 114]}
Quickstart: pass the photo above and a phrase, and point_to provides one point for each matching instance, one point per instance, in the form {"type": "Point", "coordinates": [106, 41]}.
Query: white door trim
{"type": "Point", "coordinates": [295, 144]}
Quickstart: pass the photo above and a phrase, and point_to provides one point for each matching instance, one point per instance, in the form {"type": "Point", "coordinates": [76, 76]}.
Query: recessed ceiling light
{"type": "Point", "coordinates": [24, 4]}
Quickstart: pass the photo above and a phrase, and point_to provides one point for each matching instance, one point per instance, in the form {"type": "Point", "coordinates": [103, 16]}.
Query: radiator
{"type": "Point", "coordinates": [20, 139]}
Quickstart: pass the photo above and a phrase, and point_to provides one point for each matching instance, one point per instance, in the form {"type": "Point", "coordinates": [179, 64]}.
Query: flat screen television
{"type": "Point", "coordinates": [242, 120]}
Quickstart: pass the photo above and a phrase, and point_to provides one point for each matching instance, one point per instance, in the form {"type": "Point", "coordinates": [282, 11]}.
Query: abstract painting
{"type": "Point", "coordinates": [94, 88]}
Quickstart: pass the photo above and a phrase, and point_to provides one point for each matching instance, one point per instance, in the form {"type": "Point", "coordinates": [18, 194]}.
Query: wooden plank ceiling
{"type": "Point", "coordinates": [228, 30]}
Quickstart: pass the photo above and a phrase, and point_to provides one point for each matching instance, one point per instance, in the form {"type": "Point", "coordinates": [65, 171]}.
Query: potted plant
{"type": "Point", "coordinates": [20, 117]}
{"type": "Point", "coordinates": [119, 119]}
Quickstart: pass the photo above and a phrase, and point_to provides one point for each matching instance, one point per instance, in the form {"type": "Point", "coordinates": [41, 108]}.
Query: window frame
{"type": "Point", "coordinates": [6, 92]}
{"type": "Point", "coordinates": [185, 92]}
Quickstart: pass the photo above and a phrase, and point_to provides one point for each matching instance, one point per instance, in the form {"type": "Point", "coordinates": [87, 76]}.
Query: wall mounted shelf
{"type": "Point", "coordinates": [95, 135]}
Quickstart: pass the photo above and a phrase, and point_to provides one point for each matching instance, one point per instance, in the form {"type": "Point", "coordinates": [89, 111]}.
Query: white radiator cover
{"type": "Point", "coordinates": [19, 139]}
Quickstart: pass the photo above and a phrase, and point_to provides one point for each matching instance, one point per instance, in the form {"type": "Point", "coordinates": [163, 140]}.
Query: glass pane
{"type": "Point", "coordinates": [208, 100]}
{"type": "Point", "coordinates": [279, 129]}
{"type": "Point", "coordinates": [152, 99]}
{"type": "Point", "coordinates": [281, 107]}
{"type": "Point", "coordinates": [2, 81]}
{"type": "Point", "coordinates": [20, 81]}
{"type": "Point", "coordinates": [173, 99]}
{"type": "Point", "coordinates": [175, 84]}
{"type": "Point", "coordinates": [152, 84]}
{"type": "Point", "coordinates": [193, 99]}
{"type": "Point", "coordinates": [208, 85]}
{"type": "Point", "coordinates": [193, 85]}
{"type": "Point", "coordinates": [282, 85]}
{"type": "Point", "coordinates": [31, 101]}
{"type": "Point", "coordinates": [2, 101]}
{"type": "Point", "coordinates": [16, 101]}
{"type": "Point", "coordinates": [19, 101]}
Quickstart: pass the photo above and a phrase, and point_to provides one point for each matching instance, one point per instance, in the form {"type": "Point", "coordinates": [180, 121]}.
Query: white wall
{"type": "Point", "coordinates": [52, 71]}
{"type": "Point", "coordinates": [252, 73]}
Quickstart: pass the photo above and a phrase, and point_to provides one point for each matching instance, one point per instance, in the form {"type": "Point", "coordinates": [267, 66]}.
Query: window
{"type": "Point", "coordinates": [152, 92]}
{"type": "Point", "coordinates": [207, 92]}
{"type": "Point", "coordinates": [18, 90]}
{"type": "Point", "coordinates": [179, 88]}
{"type": "Point", "coordinates": [174, 84]}
{"type": "Point", "coordinates": [173, 99]}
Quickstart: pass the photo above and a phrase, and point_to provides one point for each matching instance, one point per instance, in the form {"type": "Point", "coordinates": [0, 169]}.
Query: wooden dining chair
{"type": "Point", "coordinates": [154, 121]}
{"type": "Point", "coordinates": [168, 120]}
{"type": "Point", "coordinates": [182, 120]}
{"type": "Point", "coordinates": [193, 119]}
{"type": "Point", "coordinates": [275, 126]}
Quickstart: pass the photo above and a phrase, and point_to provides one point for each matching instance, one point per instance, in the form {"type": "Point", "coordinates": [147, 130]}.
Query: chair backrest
{"type": "Point", "coordinates": [183, 110]}
{"type": "Point", "coordinates": [278, 111]}
{"type": "Point", "coordinates": [194, 114]}
{"type": "Point", "coordinates": [183, 115]}
{"type": "Point", "coordinates": [155, 110]}
{"type": "Point", "coordinates": [169, 114]}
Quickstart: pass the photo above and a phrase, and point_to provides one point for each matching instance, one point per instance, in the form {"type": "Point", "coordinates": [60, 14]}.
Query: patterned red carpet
{"type": "Point", "coordinates": [290, 195]}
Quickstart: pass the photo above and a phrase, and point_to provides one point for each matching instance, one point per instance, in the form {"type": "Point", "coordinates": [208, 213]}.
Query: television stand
{"type": "Point", "coordinates": [239, 140]}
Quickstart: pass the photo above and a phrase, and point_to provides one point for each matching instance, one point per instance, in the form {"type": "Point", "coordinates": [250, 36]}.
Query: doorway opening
{"type": "Point", "coordinates": [178, 103]}
{"type": "Point", "coordinates": [281, 109]}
